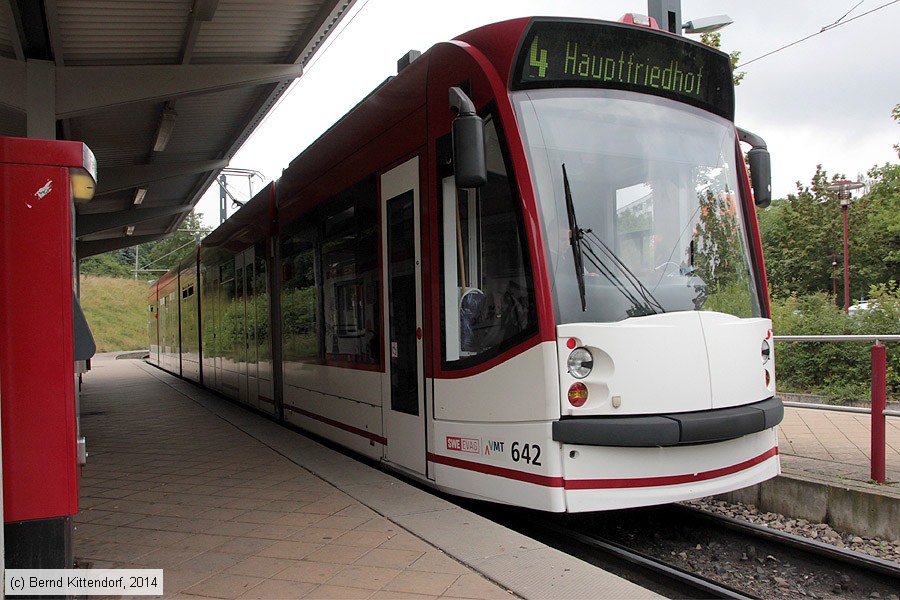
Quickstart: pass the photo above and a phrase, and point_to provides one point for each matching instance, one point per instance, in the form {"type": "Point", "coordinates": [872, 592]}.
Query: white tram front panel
{"type": "Point", "coordinates": [679, 405]}
{"type": "Point", "coordinates": [672, 362]}
{"type": "Point", "coordinates": [494, 432]}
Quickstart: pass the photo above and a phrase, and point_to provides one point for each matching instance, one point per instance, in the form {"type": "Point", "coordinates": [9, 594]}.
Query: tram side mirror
{"type": "Point", "coordinates": [469, 164]}
{"type": "Point", "coordinates": [760, 168]}
{"type": "Point", "coordinates": [760, 176]}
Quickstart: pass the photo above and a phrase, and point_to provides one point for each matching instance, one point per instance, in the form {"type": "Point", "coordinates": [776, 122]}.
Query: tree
{"type": "Point", "coordinates": [156, 257]}
{"type": "Point", "coordinates": [714, 40]}
{"type": "Point", "coordinates": [802, 235]}
{"type": "Point", "coordinates": [875, 230]}
{"type": "Point", "coordinates": [875, 226]}
{"type": "Point", "coordinates": [168, 252]}
{"type": "Point", "coordinates": [104, 265]}
{"type": "Point", "coordinates": [895, 114]}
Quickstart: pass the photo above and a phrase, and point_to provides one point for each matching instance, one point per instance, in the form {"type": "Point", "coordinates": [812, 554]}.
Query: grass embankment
{"type": "Point", "coordinates": [116, 310]}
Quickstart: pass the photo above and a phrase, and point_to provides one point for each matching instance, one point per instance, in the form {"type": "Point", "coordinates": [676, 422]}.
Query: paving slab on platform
{"type": "Point", "coordinates": [835, 447]}
{"type": "Point", "coordinates": [232, 505]}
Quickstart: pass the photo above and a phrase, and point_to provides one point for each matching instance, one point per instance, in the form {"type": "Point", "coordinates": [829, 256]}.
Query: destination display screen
{"type": "Point", "coordinates": [564, 53]}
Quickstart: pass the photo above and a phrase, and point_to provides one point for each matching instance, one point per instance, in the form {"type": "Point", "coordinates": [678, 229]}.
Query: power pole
{"type": "Point", "coordinates": [224, 194]}
{"type": "Point", "coordinates": [843, 189]}
{"type": "Point", "coordinates": [667, 14]}
{"type": "Point", "coordinates": [223, 203]}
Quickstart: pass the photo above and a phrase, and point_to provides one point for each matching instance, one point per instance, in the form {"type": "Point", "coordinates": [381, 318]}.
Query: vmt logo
{"type": "Point", "coordinates": [492, 446]}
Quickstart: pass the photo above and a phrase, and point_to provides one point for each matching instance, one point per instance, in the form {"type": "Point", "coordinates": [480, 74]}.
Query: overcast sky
{"type": "Point", "coordinates": [826, 100]}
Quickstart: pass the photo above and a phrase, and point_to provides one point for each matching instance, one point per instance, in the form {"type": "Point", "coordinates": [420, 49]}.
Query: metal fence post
{"type": "Point", "coordinates": [879, 410]}
{"type": "Point", "coordinates": [879, 402]}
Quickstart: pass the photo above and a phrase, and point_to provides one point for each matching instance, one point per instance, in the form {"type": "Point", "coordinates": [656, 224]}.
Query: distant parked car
{"type": "Point", "coordinates": [860, 307]}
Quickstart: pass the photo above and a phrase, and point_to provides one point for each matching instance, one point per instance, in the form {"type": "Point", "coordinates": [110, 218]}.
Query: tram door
{"type": "Point", "coordinates": [403, 392]}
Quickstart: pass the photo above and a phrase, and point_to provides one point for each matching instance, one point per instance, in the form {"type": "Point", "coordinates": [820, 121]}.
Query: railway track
{"type": "Point", "coordinates": [869, 564]}
{"type": "Point", "coordinates": [685, 552]}
{"type": "Point", "coordinates": [662, 576]}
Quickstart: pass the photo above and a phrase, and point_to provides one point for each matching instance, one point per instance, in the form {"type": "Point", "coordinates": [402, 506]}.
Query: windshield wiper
{"type": "Point", "coordinates": [644, 303]}
{"type": "Point", "coordinates": [575, 235]}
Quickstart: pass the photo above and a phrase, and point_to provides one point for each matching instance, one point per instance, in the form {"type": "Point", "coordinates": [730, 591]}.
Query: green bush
{"type": "Point", "coordinates": [839, 370]}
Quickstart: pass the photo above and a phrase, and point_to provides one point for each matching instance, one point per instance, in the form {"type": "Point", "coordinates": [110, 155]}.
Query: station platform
{"type": "Point", "coordinates": [232, 505]}
{"type": "Point", "coordinates": [828, 445]}
{"type": "Point", "coordinates": [826, 473]}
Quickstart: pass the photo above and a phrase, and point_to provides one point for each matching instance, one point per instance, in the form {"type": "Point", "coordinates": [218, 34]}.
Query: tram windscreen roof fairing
{"type": "Point", "coordinates": [566, 53]}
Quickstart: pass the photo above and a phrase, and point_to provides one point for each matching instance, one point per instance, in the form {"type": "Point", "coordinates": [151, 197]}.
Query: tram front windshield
{"type": "Point", "coordinates": [653, 187]}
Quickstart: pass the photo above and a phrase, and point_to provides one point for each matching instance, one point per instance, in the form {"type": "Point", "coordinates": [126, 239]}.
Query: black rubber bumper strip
{"type": "Point", "coordinates": [670, 429]}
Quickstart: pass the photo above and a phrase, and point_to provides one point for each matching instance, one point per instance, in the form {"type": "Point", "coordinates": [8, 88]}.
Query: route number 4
{"type": "Point", "coordinates": [538, 58]}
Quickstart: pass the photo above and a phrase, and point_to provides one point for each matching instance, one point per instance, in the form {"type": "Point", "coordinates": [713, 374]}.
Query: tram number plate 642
{"type": "Point", "coordinates": [529, 453]}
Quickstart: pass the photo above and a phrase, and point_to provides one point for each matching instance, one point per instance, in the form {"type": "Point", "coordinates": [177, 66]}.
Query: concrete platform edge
{"type": "Point", "coordinates": [846, 508]}
{"type": "Point", "coordinates": [523, 566]}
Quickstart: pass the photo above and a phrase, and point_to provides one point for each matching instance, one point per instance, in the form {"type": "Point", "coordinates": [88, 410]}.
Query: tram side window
{"type": "Point", "coordinates": [488, 291]}
{"type": "Point", "coordinates": [350, 277]}
{"type": "Point", "coordinates": [299, 303]}
{"type": "Point", "coordinates": [230, 319]}
{"type": "Point", "coordinates": [209, 287]}
{"type": "Point", "coordinates": [261, 303]}
{"type": "Point", "coordinates": [330, 306]}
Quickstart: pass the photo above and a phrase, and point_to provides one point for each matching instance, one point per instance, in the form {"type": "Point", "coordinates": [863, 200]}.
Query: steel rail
{"type": "Point", "coordinates": [843, 555]}
{"type": "Point", "coordinates": [653, 565]}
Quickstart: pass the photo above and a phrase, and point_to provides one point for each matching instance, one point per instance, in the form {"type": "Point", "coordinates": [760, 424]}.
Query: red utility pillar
{"type": "Point", "coordinates": [879, 402]}
{"type": "Point", "coordinates": [39, 181]}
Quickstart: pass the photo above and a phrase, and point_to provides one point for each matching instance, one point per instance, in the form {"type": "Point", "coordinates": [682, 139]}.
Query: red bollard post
{"type": "Point", "coordinates": [879, 400]}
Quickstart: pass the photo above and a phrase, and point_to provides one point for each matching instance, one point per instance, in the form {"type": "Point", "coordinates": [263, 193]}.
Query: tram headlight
{"type": "Point", "coordinates": [765, 352]}
{"type": "Point", "coordinates": [580, 363]}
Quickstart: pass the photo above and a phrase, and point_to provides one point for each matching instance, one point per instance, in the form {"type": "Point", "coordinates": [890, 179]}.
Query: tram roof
{"type": "Point", "coordinates": [208, 71]}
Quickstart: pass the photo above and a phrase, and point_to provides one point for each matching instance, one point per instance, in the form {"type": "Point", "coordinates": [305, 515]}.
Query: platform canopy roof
{"type": "Point", "coordinates": [164, 92]}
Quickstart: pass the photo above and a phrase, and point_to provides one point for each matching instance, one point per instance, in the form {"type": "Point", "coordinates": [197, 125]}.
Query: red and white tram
{"type": "Point", "coordinates": [526, 269]}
